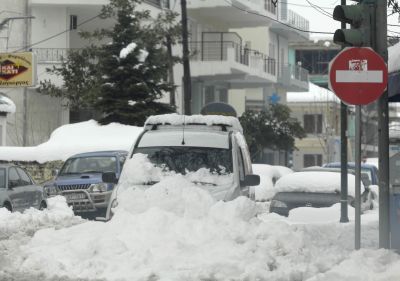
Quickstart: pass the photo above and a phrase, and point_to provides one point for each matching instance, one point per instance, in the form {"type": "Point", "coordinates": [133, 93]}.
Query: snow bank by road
{"type": "Point", "coordinates": [71, 139]}
{"type": "Point", "coordinates": [177, 231]}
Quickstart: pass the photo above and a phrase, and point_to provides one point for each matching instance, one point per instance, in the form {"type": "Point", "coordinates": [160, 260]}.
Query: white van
{"type": "Point", "coordinates": [188, 145]}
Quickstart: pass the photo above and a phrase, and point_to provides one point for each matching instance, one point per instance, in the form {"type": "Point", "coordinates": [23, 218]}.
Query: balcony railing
{"type": "Point", "coordinates": [221, 50]}
{"type": "Point", "coordinates": [295, 72]}
{"type": "Point", "coordinates": [159, 3]}
{"type": "Point", "coordinates": [50, 55]}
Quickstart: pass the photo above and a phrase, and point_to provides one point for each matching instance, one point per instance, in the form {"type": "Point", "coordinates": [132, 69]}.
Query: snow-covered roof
{"type": "Point", "coordinates": [6, 104]}
{"type": "Point", "coordinates": [314, 94]}
{"type": "Point", "coordinates": [209, 120]}
{"type": "Point", "coordinates": [71, 139]}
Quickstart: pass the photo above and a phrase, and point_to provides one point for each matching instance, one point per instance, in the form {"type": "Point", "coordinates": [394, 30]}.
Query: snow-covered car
{"type": "Point", "coordinates": [18, 190]}
{"type": "Point", "coordinates": [315, 189]}
{"type": "Point", "coordinates": [208, 150]}
{"type": "Point", "coordinates": [80, 181]}
{"type": "Point", "coordinates": [269, 174]}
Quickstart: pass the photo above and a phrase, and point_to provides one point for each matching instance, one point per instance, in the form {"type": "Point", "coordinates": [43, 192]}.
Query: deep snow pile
{"type": "Point", "coordinates": [177, 231]}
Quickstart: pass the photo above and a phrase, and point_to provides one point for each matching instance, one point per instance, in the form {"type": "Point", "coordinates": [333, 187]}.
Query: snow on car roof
{"type": "Point", "coordinates": [318, 181]}
{"type": "Point", "coordinates": [216, 139]}
{"type": "Point", "coordinates": [209, 120]}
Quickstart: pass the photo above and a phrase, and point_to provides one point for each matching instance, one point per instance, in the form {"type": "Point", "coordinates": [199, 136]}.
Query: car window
{"type": "Point", "coordinates": [241, 165]}
{"type": "Point", "coordinates": [25, 179]}
{"type": "Point", "coordinates": [90, 164]}
{"type": "Point", "coordinates": [2, 178]}
{"type": "Point", "coordinates": [13, 178]}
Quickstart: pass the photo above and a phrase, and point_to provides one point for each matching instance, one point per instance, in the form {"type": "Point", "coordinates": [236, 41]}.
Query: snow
{"type": "Point", "coordinates": [178, 120]}
{"type": "Point", "coordinates": [324, 182]}
{"type": "Point", "coordinates": [314, 94]}
{"type": "Point", "coordinates": [394, 58]}
{"type": "Point", "coordinates": [143, 54]}
{"type": "Point", "coordinates": [268, 175]}
{"type": "Point", "coordinates": [373, 161]}
{"type": "Point", "coordinates": [71, 139]}
{"type": "Point", "coordinates": [127, 50]}
{"type": "Point", "coordinates": [6, 105]}
{"type": "Point", "coordinates": [177, 231]}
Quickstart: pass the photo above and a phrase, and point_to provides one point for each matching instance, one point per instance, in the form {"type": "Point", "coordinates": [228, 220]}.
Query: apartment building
{"type": "Point", "coordinates": [52, 30]}
{"type": "Point", "coordinates": [239, 54]}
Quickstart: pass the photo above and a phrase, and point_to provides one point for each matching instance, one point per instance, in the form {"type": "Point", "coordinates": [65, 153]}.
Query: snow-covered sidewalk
{"type": "Point", "coordinates": [176, 231]}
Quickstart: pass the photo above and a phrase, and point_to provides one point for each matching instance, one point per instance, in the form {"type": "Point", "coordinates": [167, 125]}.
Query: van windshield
{"type": "Point", "coordinates": [189, 159]}
{"type": "Point", "coordinates": [95, 164]}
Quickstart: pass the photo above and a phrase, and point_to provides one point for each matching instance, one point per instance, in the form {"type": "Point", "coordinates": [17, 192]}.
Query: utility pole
{"type": "Point", "coordinates": [25, 91]}
{"type": "Point", "coordinates": [343, 153]}
{"type": "Point", "coordinates": [383, 128]}
{"type": "Point", "coordinates": [187, 87]}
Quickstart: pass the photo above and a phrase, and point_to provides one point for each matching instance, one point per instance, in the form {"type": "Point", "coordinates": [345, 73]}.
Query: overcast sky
{"type": "Point", "coordinates": [321, 22]}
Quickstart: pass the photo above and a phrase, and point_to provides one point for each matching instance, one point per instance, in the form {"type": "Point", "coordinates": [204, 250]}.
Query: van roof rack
{"type": "Point", "coordinates": [226, 123]}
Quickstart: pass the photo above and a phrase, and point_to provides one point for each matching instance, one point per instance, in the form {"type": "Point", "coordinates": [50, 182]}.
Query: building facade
{"type": "Point", "coordinates": [240, 54]}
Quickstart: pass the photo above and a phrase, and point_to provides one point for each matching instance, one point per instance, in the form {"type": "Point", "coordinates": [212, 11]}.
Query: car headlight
{"type": "Point", "coordinates": [51, 190]}
{"type": "Point", "coordinates": [98, 187]}
{"type": "Point", "coordinates": [278, 204]}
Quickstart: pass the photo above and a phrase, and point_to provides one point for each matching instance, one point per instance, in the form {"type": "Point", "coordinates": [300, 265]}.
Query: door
{"type": "Point", "coordinates": [32, 192]}
{"type": "Point", "coordinates": [16, 191]}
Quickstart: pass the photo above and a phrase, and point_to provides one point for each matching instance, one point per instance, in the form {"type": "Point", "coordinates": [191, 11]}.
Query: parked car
{"type": "Point", "coordinates": [184, 145]}
{"type": "Point", "coordinates": [80, 181]}
{"type": "Point", "coordinates": [18, 190]}
{"type": "Point", "coordinates": [366, 168]}
{"type": "Point", "coordinates": [316, 189]}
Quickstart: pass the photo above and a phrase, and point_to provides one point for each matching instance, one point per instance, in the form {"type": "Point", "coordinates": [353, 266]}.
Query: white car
{"type": "Point", "coordinates": [209, 150]}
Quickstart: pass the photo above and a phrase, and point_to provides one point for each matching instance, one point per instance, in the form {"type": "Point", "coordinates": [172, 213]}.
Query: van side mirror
{"type": "Point", "coordinates": [251, 180]}
{"type": "Point", "coordinates": [109, 177]}
{"type": "Point", "coordinates": [55, 172]}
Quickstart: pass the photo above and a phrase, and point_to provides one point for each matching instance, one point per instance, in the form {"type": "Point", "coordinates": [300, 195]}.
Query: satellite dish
{"type": "Point", "coordinates": [218, 108]}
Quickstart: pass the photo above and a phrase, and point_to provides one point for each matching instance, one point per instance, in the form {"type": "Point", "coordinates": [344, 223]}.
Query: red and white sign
{"type": "Point", "coordinates": [358, 75]}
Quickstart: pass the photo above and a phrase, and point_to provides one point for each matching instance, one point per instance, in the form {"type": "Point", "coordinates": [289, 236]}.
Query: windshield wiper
{"type": "Point", "coordinates": [204, 183]}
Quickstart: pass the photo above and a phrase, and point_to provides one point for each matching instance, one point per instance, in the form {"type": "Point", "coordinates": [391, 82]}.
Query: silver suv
{"type": "Point", "coordinates": [18, 191]}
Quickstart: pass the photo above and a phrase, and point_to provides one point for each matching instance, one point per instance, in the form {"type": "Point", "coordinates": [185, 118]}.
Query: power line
{"type": "Point", "coordinates": [58, 34]}
{"type": "Point", "coordinates": [285, 24]}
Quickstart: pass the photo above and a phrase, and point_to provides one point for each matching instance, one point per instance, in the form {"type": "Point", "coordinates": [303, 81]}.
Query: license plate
{"type": "Point", "coordinates": [75, 196]}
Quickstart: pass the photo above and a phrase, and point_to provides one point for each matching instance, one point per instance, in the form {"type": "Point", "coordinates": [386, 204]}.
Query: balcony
{"type": "Point", "coordinates": [233, 13]}
{"type": "Point", "coordinates": [50, 55]}
{"type": "Point", "coordinates": [228, 61]}
{"type": "Point", "coordinates": [294, 78]}
{"type": "Point", "coordinates": [291, 25]}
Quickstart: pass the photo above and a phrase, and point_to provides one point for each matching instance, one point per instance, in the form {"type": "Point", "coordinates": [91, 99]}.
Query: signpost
{"type": "Point", "coordinates": [358, 76]}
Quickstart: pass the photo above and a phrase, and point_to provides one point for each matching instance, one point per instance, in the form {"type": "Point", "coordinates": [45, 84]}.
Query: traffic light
{"type": "Point", "coordinates": [360, 18]}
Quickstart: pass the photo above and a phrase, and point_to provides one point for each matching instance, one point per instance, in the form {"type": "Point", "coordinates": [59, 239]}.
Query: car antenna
{"type": "Point", "coordinates": [183, 130]}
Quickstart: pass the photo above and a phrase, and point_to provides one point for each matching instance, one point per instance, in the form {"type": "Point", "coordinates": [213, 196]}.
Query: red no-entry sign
{"type": "Point", "coordinates": [358, 75]}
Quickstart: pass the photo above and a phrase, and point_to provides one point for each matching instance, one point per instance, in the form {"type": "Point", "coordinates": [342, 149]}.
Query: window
{"type": "Point", "coordinates": [241, 165]}
{"type": "Point", "coordinates": [2, 178]}
{"type": "Point", "coordinates": [209, 95]}
{"type": "Point", "coordinates": [223, 95]}
{"type": "Point", "coordinates": [73, 22]}
{"type": "Point", "coordinates": [13, 178]}
{"type": "Point", "coordinates": [25, 179]}
{"type": "Point", "coordinates": [312, 160]}
{"type": "Point", "coordinates": [313, 123]}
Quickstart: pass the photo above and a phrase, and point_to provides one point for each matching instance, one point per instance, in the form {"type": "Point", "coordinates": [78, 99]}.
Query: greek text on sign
{"type": "Point", "coordinates": [17, 70]}
{"type": "Point", "coordinates": [358, 75]}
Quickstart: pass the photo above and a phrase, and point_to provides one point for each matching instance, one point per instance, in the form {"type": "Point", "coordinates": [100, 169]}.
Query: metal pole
{"type": "Point", "coordinates": [383, 130]}
{"type": "Point", "coordinates": [187, 87]}
{"type": "Point", "coordinates": [25, 90]}
{"type": "Point", "coordinates": [357, 204]}
{"type": "Point", "coordinates": [343, 154]}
